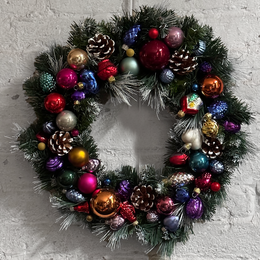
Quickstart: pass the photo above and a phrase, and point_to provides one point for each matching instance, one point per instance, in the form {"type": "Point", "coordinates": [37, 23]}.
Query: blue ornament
{"type": "Point", "coordinates": [74, 196]}
{"type": "Point", "coordinates": [107, 182]}
{"type": "Point", "coordinates": [166, 76]}
{"type": "Point", "coordinates": [195, 87]}
{"type": "Point", "coordinates": [199, 48]}
{"type": "Point", "coordinates": [218, 109]}
{"type": "Point", "coordinates": [216, 167]}
{"type": "Point", "coordinates": [131, 35]}
{"type": "Point", "coordinates": [182, 195]}
{"type": "Point", "coordinates": [90, 84]}
{"type": "Point", "coordinates": [171, 223]}
{"type": "Point", "coordinates": [198, 162]}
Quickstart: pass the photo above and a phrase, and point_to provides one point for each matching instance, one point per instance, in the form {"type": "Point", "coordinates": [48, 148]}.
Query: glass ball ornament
{"type": "Point", "coordinates": [66, 120]}
{"type": "Point", "coordinates": [194, 208]}
{"type": "Point", "coordinates": [74, 132]}
{"type": "Point", "coordinates": [165, 205]}
{"type": "Point", "coordinates": [41, 146]}
{"type": "Point", "coordinates": [195, 87]}
{"type": "Point", "coordinates": [78, 95]}
{"type": "Point", "coordinates": [215, 186]}
{"type": "Point", "coordinates": [198, 162]}
{"type": "Point", "coordinates": [105, 204]}
{"type": "Point", "coordinates": [54, 163]}
{"type": "Point", "coordinates": [154, 55]}
{"type": "Point", "coordinates": [182, 195]}
{"type": "Point", "coordinates": [166, 76]}
{"type": "Point", "coordinates": [67, 178]}
{"type": "Point", "coordinates": [129, 65]}
{"type": "Point", "coordinates": [78, 157]}
{"type": "Point", "coordinates": [54, 103]}
{"type": "Point", "coordinates": [130, 52]}
{"type": "Point", "coordinates": [205, 67]}
{"type": "Point", "coordinates": [107, 182]}
{"type": "Point", "coordinates": [153, 33]}
{"type": "Point", "coordinates": [87, 183]}
{"type": "Point", "coordinates": [216, 167]}
{"type": "Point", "coordinates": [171, 223]}
{"type": "Point", "coordinates": [77, 59]}
{"type": "Point", "coordinates": [212, 86]}
{"type": "Point", "coordinates": [218, 109]}
{"type": "Point", "coordinates": [174, 38]}
{"type": "Point", "coordinates": [87, 77]}
{"type": "Point", "coordinates": [152, 216]}
{"type": "Point", "coordinates": [66, 78]}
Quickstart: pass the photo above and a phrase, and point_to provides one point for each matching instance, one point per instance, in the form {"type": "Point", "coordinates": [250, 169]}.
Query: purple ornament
{"type": "Point", "coordinates": [218, 109]}
{"type": "Point", "coordinates": [194, 208]}
{"type": "Point", "coordinates": [78, 95]}
{"type": "Point", "coordinates": [171, 223]}
{"type": "Point", "coordinates": [74, 196]}
{"type": "Point", "coordinates": [174, 38]}
{"type": "Point", "coordinates": [165, 205]}
{"type": "Point", "coordinates": [116, 222]}
{"type": "Point", "coordinates": [231, 127]}
{"type": "Point", "coordinates": [205, 67]}
{"type": "Point", "coordinates": [125, 189]}
{"type": "Point", "coordinates": [54, 164]}
{"type": "Point", "coordinates": [91, 166]}
{"type": "Point", "coordinates": [90, 84]}
{"type": "Point", "coordinates": [131, 35]}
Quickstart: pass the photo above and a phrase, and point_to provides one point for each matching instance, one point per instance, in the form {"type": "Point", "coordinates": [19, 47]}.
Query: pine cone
{"type": "Point", "coordinates": [212, 147]}
{"type": "Point", "coordinates": [182, 63]}
{"type": "Point", "coordinates": [180, 178]}
{"type": "Point", "coordinates": [101, 46]}
{"type": "Point", "coordinates": [143, 197]}
{"type": "Point", "coordinates": [59, 143]}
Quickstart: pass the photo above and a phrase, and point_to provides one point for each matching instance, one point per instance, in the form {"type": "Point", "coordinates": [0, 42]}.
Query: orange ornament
{"type": "Point", "coordinates": [212, 86]}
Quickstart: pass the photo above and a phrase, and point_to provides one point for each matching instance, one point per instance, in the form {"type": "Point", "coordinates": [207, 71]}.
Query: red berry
{"type": "Point", "coordinates": [153, 33]}
{"type": "Point", "coordinates": [215, 186]}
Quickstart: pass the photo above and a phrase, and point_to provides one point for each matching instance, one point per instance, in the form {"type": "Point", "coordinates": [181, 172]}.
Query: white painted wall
{"type": "Point", "coordinates": [28, 229]}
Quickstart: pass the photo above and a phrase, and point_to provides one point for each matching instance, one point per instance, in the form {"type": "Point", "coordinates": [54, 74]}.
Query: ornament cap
{"type": "Point", "coordinates": [135, 223]}
{"type": "Point", "coordinates": [196, 191]}
{"type": "Point", "coordinates": [181, 114]}
{"type": "Point", "coordinates": [80, 85]}
{"type": "Point", "coordinates": [111, 79]}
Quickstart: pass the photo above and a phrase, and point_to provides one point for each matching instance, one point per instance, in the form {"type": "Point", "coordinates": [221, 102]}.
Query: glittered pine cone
{"type": "Point", "coordinates": [182, 62]}
{"type": "Point", "coordinates": [59, 143]}
{"type": "Point", "coordinates": [143, 197]}
{"type": "Point", "coordinates": [212, 147]}
{"type": "Point", "coordinates": [101, 46]}
{"type": "Point", "coordinates": [180, 178]}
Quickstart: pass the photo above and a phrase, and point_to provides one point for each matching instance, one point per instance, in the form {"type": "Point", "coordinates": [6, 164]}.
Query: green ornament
{"type": "Point", "coordinates": [67, 179]}
{"type": "Point", "coordinates": [47, 82]}
{"type": "Point", "coordinates": [129, 65]}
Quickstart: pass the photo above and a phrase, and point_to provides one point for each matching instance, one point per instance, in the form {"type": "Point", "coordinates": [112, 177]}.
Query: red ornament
{"type": "Point", "coordinates": [179, 159]}
{"type": "Point", "coordinates": [42, 137]}
{"type": "Point", "coordinates": [215, 186]}
{"type": "Point", "coordinates": [127, 211]}
{"type": "Point", "coordinates": [106, 69]}
{"type": "Point", "coordinates": [81, 208]}
{"type": "Point", "coordinates": [153, 33]}
{"type": "Point", "coordinates": [74, 132]}
{"type": "Point", "coordinates": [154, 55]}
{"type": "Point", "coordinates": [203, 181]}
{"type": "Point", "coordinates": [165, 205]}
{"type": "Point", "coordinates": [54, 103]}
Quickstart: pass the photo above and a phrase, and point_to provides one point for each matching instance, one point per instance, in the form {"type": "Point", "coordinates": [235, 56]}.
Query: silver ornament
{"type": "Point", "coordinates": [74, 196]}
{"type": "Point", "coordinates": [116, 222]}
{"type": "Point", "coordinates": [152, 216]}
{"type": "Point", "coordinates": [66, 120]}
{"type": "Point", "coordinates": [200, 48]}
{"type": "Point", "coordinates": [129, 65]}
{"type": "Point", "coordinates": [166, 76]}
{"type": "Point", "coordinates": [216, 167]}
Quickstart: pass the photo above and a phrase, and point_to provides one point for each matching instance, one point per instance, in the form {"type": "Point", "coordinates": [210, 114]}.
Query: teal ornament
{"type": "Point", "coordinates": [129, 65]}
{"type": "Point", "coordinates": [171, 223]}
{"type": "Point", "coordinates": [67, 179]}
{"type": "Point", "coordinates": [47, 82]}
{"type": "Point", "coordinates": [166, 76]}
{"type": "Point", "coordinates": [198, 162]}
{"type": "Point", "coordinates": [200, 48]}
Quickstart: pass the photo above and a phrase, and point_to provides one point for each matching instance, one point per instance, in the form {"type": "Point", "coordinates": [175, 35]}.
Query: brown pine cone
{"type": "Point", "coordinates": [212, 147]}
{"type": "Point", "coordinates": [59, 143]}
{"type": "Point", "coordinates": [101, 46]}
{"type": "Point", "coordinates": [182, 63]}
{"type": "Point", "coordinates": [143, 197]}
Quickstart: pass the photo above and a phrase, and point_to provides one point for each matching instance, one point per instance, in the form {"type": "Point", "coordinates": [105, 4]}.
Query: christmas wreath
{"type": "Point", "coordinates": [169, 61]}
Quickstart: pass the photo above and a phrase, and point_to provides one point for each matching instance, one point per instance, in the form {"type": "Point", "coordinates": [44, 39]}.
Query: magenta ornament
{"type": "Point", "coordinates": [165, 205]}
{"type": "Point", "coordinates": [87, 183]}
{"type": "Point", "coordinates": [154, 55]}
{"type": "Point", "coordinates": [231, 127]}
{"type": "Point", "coordinates": [174, 38]}
{"type": "Point", "coordinates": [203, 181]}
{"type": "Point", "coordinates": [66, 78]}
{"type": "Point", "coordinates": [54, 164]}
{"type": "Point", "coordinates": [194, 208]}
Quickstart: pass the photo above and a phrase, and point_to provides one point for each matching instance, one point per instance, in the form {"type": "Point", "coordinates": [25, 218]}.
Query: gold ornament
{"type": "Point", "coordinates": [78, 157]}
{"type": "Point", "coordinates": [77, 59]}
{"type": "Point", "coordinates": [105, 203]}
{"type": "Point", "coordinates": [41, 146]}
{"type": "Point", "coordinates": [210, 126]}
{"type": "Point", "coordinates": [89, 218]}
{"type": "Point", "coordinates": [130, 52]}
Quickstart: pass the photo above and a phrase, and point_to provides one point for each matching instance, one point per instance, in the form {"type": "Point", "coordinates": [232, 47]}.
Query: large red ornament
{"type": "Point", "coordinates": [179, 159]}
{"type": "Point", "coordinates": [154, 55]}
{"type": "Point", "coordinates": [212, 86]}
{"type": "Point", "coordinates": [81, 208]}
{"type": "Point", "coordinates": [203, 181]}
{"type": "Point", "coordinates": [54, 103]}
{"type": "Point", "coordinates": [127, 211]}
{"type": "Point", "coordinates": [106, 69]}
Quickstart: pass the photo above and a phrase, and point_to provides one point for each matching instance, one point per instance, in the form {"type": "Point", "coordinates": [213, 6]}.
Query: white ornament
{"type": "Point", "coordinates": [192, 137]}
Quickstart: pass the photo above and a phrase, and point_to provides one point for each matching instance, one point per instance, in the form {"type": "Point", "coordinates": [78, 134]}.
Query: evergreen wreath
{"type": "Point", "coordinates": [169, 61]}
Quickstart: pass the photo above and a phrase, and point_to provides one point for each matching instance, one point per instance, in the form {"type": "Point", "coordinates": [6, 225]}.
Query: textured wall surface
{"type": "Point", "coordinates": [134, 136]}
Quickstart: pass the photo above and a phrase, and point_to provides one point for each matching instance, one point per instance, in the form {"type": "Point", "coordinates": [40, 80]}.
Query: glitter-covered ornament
{"type": "Point", "coordinates": [66, 78]}
{"type": "Point", "coordinates": [216, 167]}
{"type": "Point", "coordinates": [194, 208]}
{"type": "Point", "coordinates": [198, 162]}
{"type": "Point", "coordinates": [116, 222]}
{"type": "Point", "coordinates": [190, 104]}
{"type": "Point", "coordinates": [128, 212]}
{"type": "Point", "coordinates": [165, 205]}
{"type": "Point", "coordinates": [74, 196]}
{"type": "Point", "coordinates": [231, 127]}
{"type": "Point", "coordinates": [171, 223]}
{"type": "Point", "coordinates": [92, 165]}
{"type": "Point", "coordinates": [129, 65]}
{"type": "Point", "coordinates": [179, 159]}
{"type": "Point", "coordinates": [54, 163]}
{"type": "Point", "coordinates": [77, 59]}
{"type": "Point", "coordinates": [203, 181]}
{"type": "Point", "coordinates": [131, 36]}
{"type": "Point", "coordinates": [124, 190]}
{"type": "Point", "coordinates": [87, 183]}
{"type": "Point", "coordinates": [66, 120]}
{"type": "Point", "coordinates": [106, 69]}
{"type": "Point", "coordinates": [182, 195]}
{"type": "Point", "coordinates": [205, 67]}
{"type": "Point", "coordinates": [200, 48]}
{"type": "Point", "coordinates": [49, 127]}
{"type": "Point", "coordinates": [174, 38]}
{"type": "Point", "coordinates": [218, 109]}
{"type": "Point", "coordinates": [54, 103]}
{"type": "Point", "coordinates": [212, 86]}
{"type": "Point", "coordinates": [78, 157]}
{"type": "Point", "coordinates": [179, 178]}
{"type": "Point", "coordinates": [166, 76]}
{"type": "Point", "coordinates": [87, 78]}
{"type": "Point", "coordinates": [152, 216]}
{"type": "Point", "coordinates": [47, 82]}
{"type": "Point", "coordinates": [84, 207]}
{"type": "Point", "coordinates": [67, 178]}
{"type": "Point", "coordinates": [192, 138]}
{"type": "Point", "coordinates": [210, 126]}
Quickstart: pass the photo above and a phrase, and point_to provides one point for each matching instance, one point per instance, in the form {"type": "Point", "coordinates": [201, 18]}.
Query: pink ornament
{"type": "Point", "coordinates": [203, 181]}
{"type": "Point", "coordinates": [87, 183]}
{"type": "Point", "coordinates": [174, 38]}
{"type": "Point", "coordinates": [67, 78]}
{"type": "Point", "coordinates": [74, 132]}
{"type": "Point", "coordinates": [165, 206]}
{"type": "Point", "coordinates": [154, 55]}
